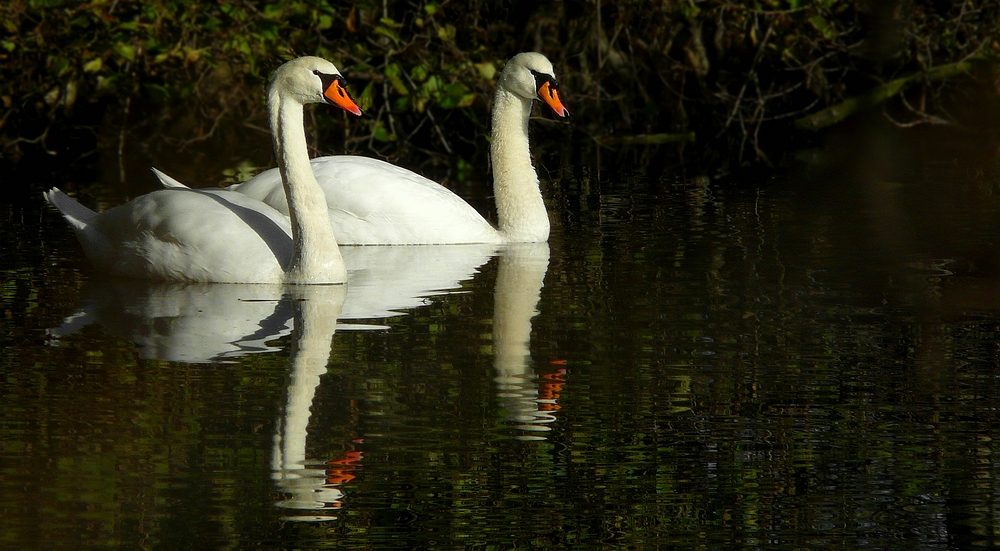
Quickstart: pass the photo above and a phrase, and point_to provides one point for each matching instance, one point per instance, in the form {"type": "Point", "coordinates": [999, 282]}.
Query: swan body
{"type": "Point", "coordinates": [372, 202]}
{"type": "Point", "coordinates": [224, 236]}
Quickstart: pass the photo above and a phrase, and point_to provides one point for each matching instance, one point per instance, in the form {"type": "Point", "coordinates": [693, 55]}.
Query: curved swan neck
{"type": "Point", "coordinates": [315, 256]}
{"type": "Point", "coordinates": [520, 209]}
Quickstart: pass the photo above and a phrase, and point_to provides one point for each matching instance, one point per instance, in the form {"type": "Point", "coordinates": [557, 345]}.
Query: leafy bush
{"type": "Point", "coordinates": [736, 74]}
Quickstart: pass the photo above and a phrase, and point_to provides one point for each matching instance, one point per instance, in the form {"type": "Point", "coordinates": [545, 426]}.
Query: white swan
{"type": "Point", "coordinates": [376, 203]}
{"type": "Point", "coordinates": [228, 237]}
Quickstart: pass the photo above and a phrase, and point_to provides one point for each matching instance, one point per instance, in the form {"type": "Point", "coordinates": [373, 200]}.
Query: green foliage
{"type": "Point", "coordinates": [739, 71]}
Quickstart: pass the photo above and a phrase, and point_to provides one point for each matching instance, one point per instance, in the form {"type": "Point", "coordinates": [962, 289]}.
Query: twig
{"type": "Point", "coordinates": [439, 132]}
{"type": "Point", "coordinates": [836, 113]}
{"type": "Point", "coordinates": [750, 75]}
{"type": "Point", "coordinates": [121, 141]}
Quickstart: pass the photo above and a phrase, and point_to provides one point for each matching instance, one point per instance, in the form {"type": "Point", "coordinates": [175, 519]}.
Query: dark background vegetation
{"type": "Point", "coordinates": [731, 83]}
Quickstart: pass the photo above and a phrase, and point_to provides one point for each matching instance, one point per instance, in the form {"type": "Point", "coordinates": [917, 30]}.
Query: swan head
{"type": "Point", "coordinates": [313, 80]}
{"type": "Point", "coordinates": [530, 75]}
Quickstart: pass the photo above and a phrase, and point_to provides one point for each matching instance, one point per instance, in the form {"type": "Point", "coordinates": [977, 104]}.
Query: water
{"type": "Point", "coordinates": [689, 363]}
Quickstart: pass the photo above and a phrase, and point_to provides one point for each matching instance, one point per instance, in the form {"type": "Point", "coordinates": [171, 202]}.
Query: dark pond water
{"type": "Point", "coordinates": [805, 361]}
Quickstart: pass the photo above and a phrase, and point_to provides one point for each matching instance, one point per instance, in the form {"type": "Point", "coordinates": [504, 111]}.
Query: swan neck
{"type": "Point", "coordinates": [315, 257]}
{"type": "Point", "coordinates": [521, 211]}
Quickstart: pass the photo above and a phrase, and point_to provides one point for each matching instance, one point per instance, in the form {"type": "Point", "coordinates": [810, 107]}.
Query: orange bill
{"type": "Point", "coordinates": [336, 93]}
{"type": "Point", "coordinates": [550, 96]}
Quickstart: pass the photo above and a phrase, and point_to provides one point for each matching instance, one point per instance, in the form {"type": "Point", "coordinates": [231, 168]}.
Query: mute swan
{"type": "Point", "coordinates": [376, 203]}
{"type": "Point", "coordinates": [228, 237]}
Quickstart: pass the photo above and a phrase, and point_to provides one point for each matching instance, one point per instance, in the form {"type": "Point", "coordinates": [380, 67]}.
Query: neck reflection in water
{"type": "Point", "coordinates": [305, 485]}
{"type": "Point", "coordinates": [202, 323]}
{"type": "Point", "coordinates": [209, 323]}
{"type": "Point", "coordinates": [530, 404]}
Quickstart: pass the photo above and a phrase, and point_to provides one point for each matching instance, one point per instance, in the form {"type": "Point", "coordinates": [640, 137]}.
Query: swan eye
{"type": "Point", "coordinates": [542, 78]}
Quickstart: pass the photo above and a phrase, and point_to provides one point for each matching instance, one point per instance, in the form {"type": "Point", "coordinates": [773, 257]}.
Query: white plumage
{"type": "Point", "coordinates": [223, 236]}
{"type": "Point", "coordinates": [372, 202]}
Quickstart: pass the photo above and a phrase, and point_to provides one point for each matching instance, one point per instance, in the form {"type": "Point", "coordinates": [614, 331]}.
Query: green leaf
{"type": "Point", "coordinates": [392, 72]}
{"type": "Point", "coordinates": [822, 26]}
{"type": "Point", "coordinates": [383, 135]}
{"type": "Point", "coordinates": [274, 10]}
{"type": "Point", "coordinates": [192, 55]}
{"type": "Point", "coordinates": [486, 70]}
{"type": "Point", "coordinates": [446, 33]}
{"type": "Point", "coordinates": [367, 97]}
{"type": "Point", "coordinates": [432, 85]}
{"type": "Point", "coordinates": [455, 95]}
{"type": "Point", "coordinates": [418, 73]}
{"type": "Point", "coordinates": [157, 92]}
{"type": "Point", "coordinates": [93, 66]}
{"type": "Point", "coordinates": [126, 51]}
{"type": "Point", "coordinates": [402, 104]}
{"type": "Point", "coordinates": [387, 32]}
{"type": "Point", "coordinates": [689, 10]}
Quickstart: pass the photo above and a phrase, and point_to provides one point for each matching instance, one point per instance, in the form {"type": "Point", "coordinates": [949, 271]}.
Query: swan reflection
{"type": "Point", "coordinates": [211, 323]}
{"type": "Point", "coordinates": [200, 323]}
{"type": "Point", "coordinates": [385, 281]}
{"type": "Point", "coordinates": [191, 323]}
{"type": "Point", "coordinates": [303, 482]}
{"type": "Point", "coordinates": [530, 404]}
{"type": "Point", "coordinates": [197, 323]}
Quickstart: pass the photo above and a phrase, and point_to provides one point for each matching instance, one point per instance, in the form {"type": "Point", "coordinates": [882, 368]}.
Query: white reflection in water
{"type": "Point", "coordinates": [183, 323]}
{"type": "Point", "coordinates": [530, 406]}
{"type": "Point", "coordinates": [199, 323]}
{"type": "Point", "coordinates": [213, 322]}
{"type": "Point", "coordinates": [383, 281]}
{"type": "Point", "coordinates": [316, 311]}
{"type": "Point", "coordinates": [216, 322]}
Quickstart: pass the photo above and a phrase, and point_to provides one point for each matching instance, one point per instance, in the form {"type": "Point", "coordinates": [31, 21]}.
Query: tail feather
{"type": "Point", "coordinates": [76, 214]}
{"type": "Point", "coordinates": [167, 181]}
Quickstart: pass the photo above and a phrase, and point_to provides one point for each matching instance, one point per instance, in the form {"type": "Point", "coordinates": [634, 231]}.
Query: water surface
{"type": "Point", "coordinates": [690, 362]}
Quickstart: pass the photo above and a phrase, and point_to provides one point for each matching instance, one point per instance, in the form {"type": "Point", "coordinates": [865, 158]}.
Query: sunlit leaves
{"type": "Point", "coordinates": [821, 24]}
{"type": "Point", "coordinates": [388, 28]}
{"type": "Point", "coordinates": [367, 97]}
{"type": "Point", "coordinates": [392, 74]}
{"type": "Point", "coordinates": [419, 73]}
{"type": "Point", "coordinates": [93, 66]}
{"type": "Point", "coordinates": [486, 70]}
{"type": "Point", "coordinates": [446, 33]}
{"type": "Point", "coordinates": [127, 51]}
